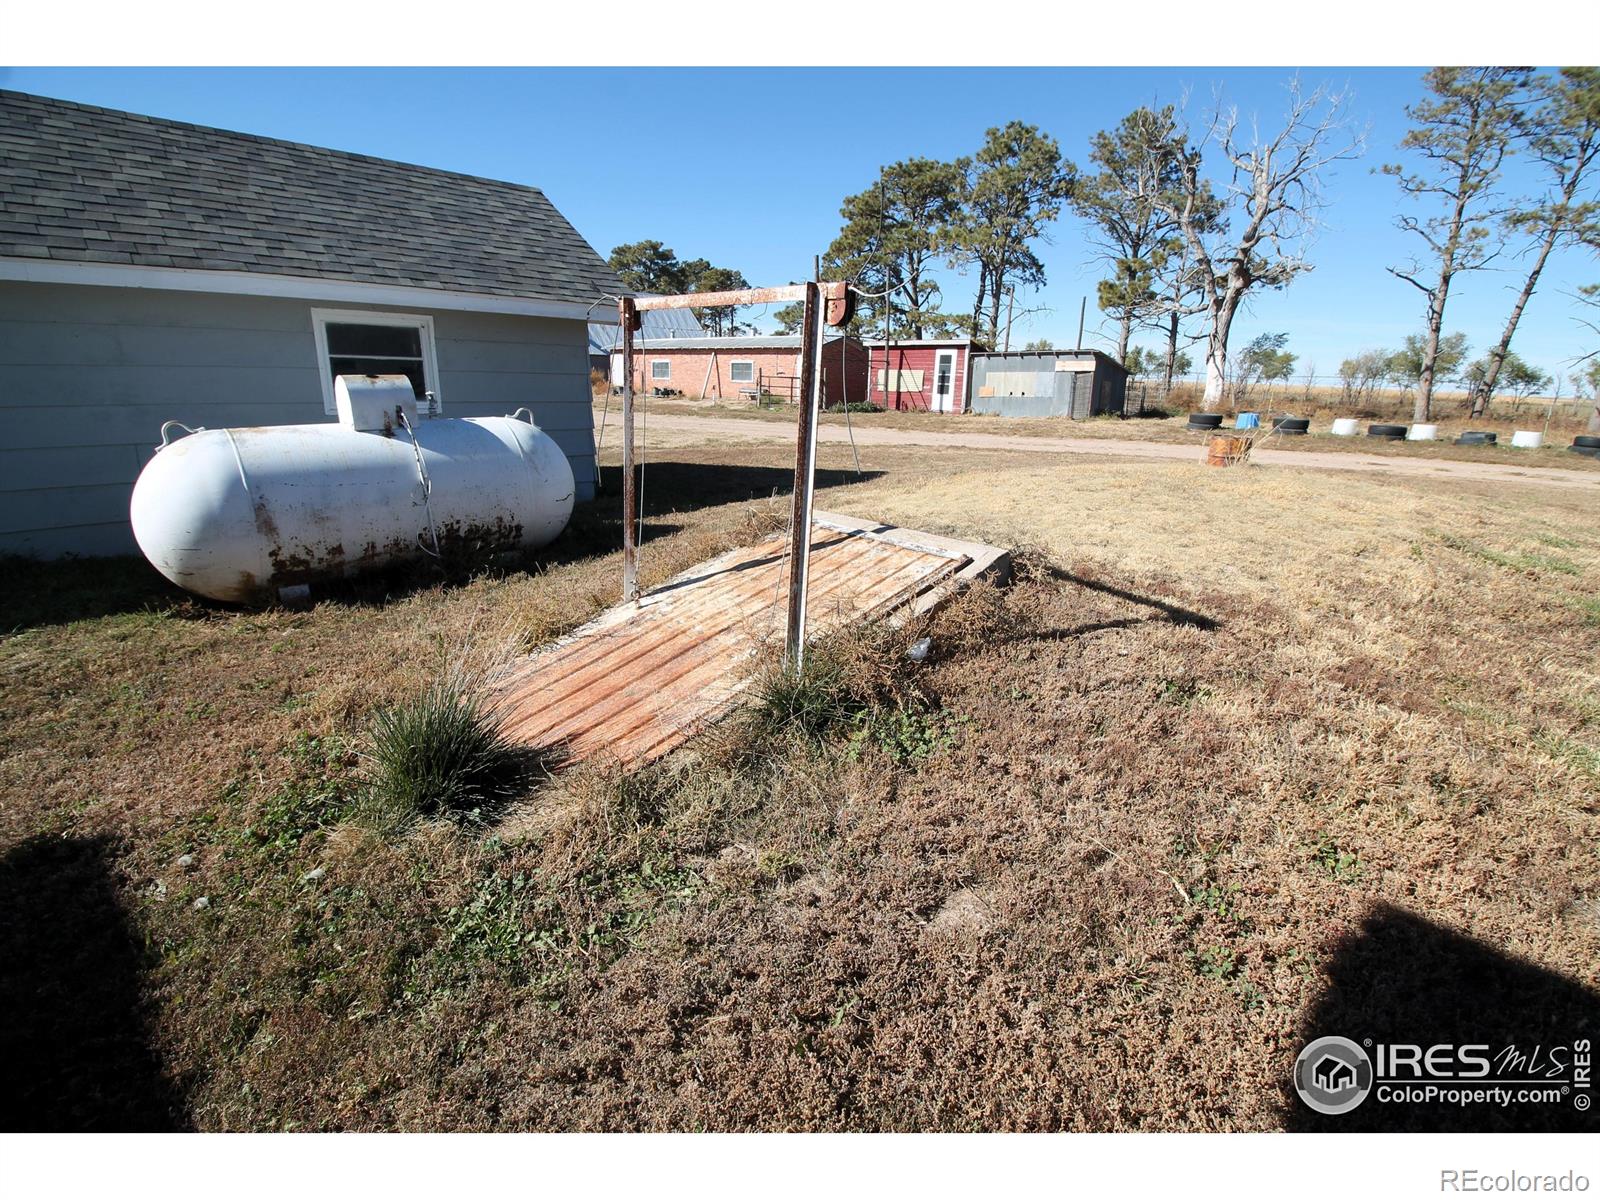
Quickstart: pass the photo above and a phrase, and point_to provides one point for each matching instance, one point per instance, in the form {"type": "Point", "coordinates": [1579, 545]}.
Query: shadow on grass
{"type": "Point", "coordinates": [1174, 613]}
{"type": "Point", "coordinates": [686, 486]}
{"type": "Point", "coordinates": [1405, 980]}
{"type": "Point", "coordinates": [75, 1046]}
{"type": "Point", "coordinates": [57, 592]}
{"type": "Point", "coordinates": [60, 591]}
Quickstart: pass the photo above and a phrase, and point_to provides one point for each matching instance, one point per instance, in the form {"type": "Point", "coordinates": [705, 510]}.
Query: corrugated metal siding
{"type": "Point", "coordinates": [654, 323]}
{"type": "Point", "coordinates": [1027, 384]}
{"type": "Point", "coordinates": [88, 375]}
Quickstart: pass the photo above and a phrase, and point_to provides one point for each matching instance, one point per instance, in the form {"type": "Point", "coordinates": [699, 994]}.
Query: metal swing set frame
{"type": "Point", "coordinates": [829, 304]}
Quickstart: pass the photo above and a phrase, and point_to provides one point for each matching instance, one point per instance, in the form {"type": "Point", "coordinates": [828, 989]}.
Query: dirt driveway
{"type": "Point", "coordinates": [676, 429]}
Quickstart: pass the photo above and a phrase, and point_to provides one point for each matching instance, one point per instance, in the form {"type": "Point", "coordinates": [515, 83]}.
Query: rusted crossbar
{"type": "Point", "coordinates": [837, 294]}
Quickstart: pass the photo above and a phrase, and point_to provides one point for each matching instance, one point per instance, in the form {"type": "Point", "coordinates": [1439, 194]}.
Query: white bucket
{"type": "Point", "coordinates": [1346, 426]}
{"type": "Point", "coordinates": [1422, 433]}
{"type": "Point", "coordinates": [1527, 439]}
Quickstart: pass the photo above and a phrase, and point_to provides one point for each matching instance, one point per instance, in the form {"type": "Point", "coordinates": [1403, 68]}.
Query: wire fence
{"type": "Point", "coordinates": [1149, 397]}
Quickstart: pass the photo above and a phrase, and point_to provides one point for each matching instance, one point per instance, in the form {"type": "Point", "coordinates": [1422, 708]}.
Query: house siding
{"type": "Point", "coordinates": [917, 358]}
{"type": "Point", "coordinates": [692, 372]}
{"type": "Point", "coordinates": [89, 374]}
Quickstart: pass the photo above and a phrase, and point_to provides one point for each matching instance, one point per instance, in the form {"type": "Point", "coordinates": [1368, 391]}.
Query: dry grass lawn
{"type": "Point", "coordinates": [1242, 757]}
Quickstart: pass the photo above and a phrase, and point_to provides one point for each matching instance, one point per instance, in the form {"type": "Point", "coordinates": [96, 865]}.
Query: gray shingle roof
{"type": "Point", "coordinates": [86, 184]}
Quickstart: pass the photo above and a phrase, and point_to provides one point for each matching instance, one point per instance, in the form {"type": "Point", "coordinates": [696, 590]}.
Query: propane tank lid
{"type": "Point", "coordinates": [370, 403]}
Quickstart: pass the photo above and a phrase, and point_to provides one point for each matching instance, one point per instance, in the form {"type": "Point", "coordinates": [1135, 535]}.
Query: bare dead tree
{"type": "Point", "coordinates": [1269, 205]}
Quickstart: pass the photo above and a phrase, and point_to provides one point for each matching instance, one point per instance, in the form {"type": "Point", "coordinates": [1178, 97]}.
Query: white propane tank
{"type": "Point", "coordinates": [237, 514]}
{"type": "Point", "coordinates": [1345, 426]}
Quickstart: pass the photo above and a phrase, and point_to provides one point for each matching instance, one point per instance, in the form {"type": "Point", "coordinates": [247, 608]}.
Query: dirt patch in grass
{"type": "Point", "coordinates": [1241, 758]}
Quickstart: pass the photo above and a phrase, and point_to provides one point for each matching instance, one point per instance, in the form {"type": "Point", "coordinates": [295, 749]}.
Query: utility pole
{"type": "Point", "coordinates": [1083, 309]}
{"type": "Point", "coordinates": [1011, 303]}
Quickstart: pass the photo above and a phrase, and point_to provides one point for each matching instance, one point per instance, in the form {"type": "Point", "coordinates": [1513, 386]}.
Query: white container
{"type": "Point", "coordinates": [1422, 433]}
{"type": "Point", "coordinates": [1527, 439]}
{"type": "Point", "coordinates": [1346, 426]}
{"type": "Point", "coordinates": [237, 514]}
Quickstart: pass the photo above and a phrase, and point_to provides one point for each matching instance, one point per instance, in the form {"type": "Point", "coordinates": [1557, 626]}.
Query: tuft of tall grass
{"type": "Point", "coordinates": [442, 753]}
{"type": "Point", "coordinates": [853, 676]}
{"type": "Point", "coordinates": [813, 701]}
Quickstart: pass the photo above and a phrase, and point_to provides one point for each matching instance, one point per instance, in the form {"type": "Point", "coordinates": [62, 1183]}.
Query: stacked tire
{"type": "Point", "coordinates": [1205, 422]}
{"type": "Point", "coordinates": [1587, 445]}
{"type": "Point", "coordinates": [1478, 437]}
{"type": "Point", "coordinates": [1387, 433]}
{"type": "Point", "coordinates": [1292, 426]}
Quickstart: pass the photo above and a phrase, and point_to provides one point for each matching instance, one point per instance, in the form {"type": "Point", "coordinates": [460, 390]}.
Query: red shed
{"type": "Point", "coordinates": [734, 368]}
{"type": "Point", "coordinates": [927, 375]}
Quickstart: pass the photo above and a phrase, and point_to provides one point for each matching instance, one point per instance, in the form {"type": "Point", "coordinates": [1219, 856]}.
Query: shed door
{"type": "Point", "coordinates": [944, 381]}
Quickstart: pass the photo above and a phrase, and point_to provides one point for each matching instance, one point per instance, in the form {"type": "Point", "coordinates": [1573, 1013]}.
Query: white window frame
{"type": "Point", "coordinates": [660, 362]}
{"type": "Point", "coordinates": [735, 364]}
{"type": "Point", "coordinates": [321, 317]}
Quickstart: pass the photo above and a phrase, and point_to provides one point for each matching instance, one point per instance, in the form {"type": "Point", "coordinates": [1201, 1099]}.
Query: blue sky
{"type": "Point", "coordinates": [750, 175]}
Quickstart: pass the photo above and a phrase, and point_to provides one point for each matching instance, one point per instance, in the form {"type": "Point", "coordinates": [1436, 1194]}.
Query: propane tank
{"type": "Point", "coordinates": [245, 514]}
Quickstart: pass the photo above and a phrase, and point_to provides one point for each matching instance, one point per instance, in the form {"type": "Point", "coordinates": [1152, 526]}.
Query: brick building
{"type": "Point", "coordinates": [930, 376]}
{"type": "Point", "coordinates": [742, 368]}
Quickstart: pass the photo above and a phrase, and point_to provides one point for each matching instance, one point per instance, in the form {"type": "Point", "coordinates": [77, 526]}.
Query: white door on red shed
{"type": "Point", "coordinates": [944, 381]}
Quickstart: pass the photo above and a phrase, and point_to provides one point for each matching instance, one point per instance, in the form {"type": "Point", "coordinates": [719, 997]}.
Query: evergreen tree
{"type": "Point", "coordinates": [895, 233]}
{"type": "Point", "coordinates": [1564, 135]}
{"type": "Point", "coordinates": [1462, 135]}
{"type": "Point", "coordinates": [1017, 186]}
{"type": "Point", "coordinates": [648, 266]}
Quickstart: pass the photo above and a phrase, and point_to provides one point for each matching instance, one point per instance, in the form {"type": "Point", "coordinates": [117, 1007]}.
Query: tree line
{"type": "Point", "coordinates": [1191, 221]}
{"type": "Point", "coordinates": [650, 267]}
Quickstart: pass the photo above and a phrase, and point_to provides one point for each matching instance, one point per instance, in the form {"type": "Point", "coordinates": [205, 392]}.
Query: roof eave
{"type": "Point", "coordinates": [298, 287]}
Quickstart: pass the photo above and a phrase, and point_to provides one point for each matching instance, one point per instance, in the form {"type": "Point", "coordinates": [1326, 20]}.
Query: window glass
{"type": "Point", "coordinates": [377, 350]}
{"type": "Point", "coordinates": [742, 372]}
{"type": "Point", "coordinates": [412, 370]}
{"type": "Point", "coordinates": [382, 341]}
{"type": "Point", "coordinates": [660, 369]}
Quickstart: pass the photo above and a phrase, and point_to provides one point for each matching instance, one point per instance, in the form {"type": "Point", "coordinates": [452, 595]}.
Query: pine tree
{"type": "Point", "coordinates": [1462, 135]}
{"type": "Point", "coordinates": [1564, 135]}
{"type": "Point", "coordinates": [1018, 184]}
{"type": "Point", "coordinates": [895, 233]}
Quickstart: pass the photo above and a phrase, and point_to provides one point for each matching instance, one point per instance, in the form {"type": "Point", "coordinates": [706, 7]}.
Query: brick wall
{"type": "Point", "coordinates": [693, 372]}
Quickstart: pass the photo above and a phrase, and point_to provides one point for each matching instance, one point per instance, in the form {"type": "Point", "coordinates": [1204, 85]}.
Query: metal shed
{"type": "Point", "coordinates": [1048, 383]}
